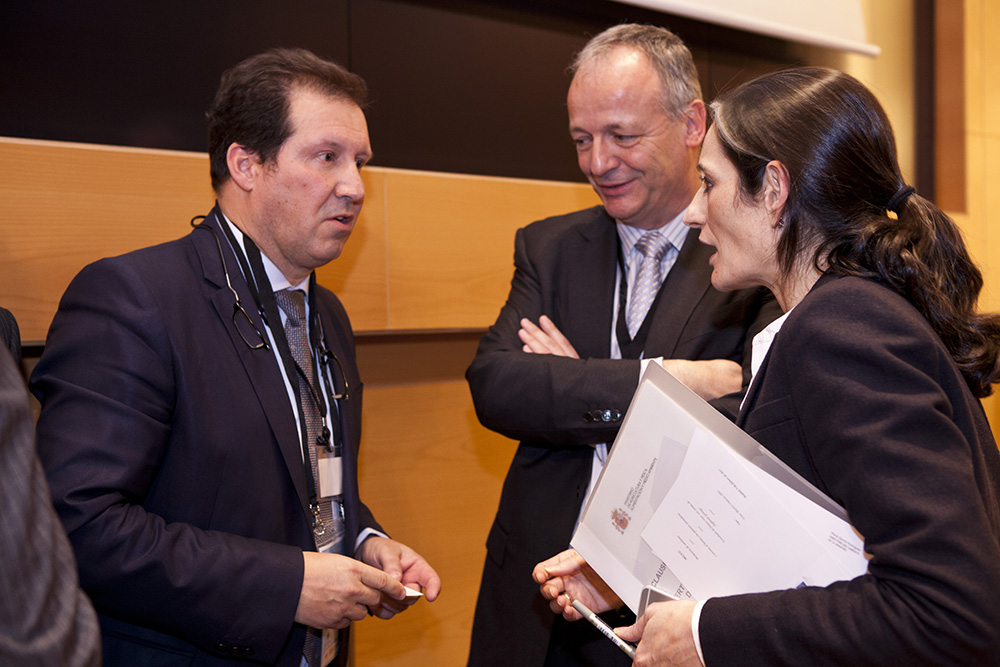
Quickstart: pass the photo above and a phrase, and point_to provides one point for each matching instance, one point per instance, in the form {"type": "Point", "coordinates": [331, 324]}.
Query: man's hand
{"type": "Point", "coordinates": [545, 338]}
{"type": "Point", "coordinates": [337, 590]}
{"type": "Point", "coordinates": [710, 378]}
{"type": "Point", "coordinates": [565, 577]}
{"type": "Point", "coordinates": [664, 635]}
{"type": "Point", "coordinates": [402, 564]}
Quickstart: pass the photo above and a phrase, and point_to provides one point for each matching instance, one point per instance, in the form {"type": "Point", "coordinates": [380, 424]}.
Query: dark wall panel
{"type": "Point", "coordinates": [467, 93]}
{"type": "Point", "coordinates": [140, 73]}
{"type": "Point", "coordinates": [468, 86]}
{"type": "Point", "coordinates": [479, 86]}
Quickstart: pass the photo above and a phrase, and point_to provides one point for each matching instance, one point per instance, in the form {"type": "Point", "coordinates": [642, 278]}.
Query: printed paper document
{"type": "Point", "coordinates": [689, 503]}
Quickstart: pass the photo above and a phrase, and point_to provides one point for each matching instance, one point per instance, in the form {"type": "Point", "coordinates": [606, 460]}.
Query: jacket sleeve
{"type": "Point", "coordinates": [542, 397]}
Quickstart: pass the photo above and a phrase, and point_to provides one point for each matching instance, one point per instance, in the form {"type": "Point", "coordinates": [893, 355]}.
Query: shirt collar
{"type": "Point", "coordinates": [762, 343]}
{"type": "Point", "coordinates": [274, 275]}
{"type": "Point", "coordinates": [675, 231]}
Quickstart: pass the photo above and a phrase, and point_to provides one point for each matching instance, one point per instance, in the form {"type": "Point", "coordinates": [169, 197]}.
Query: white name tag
{"type": "Point", "coordinates": [330, 473]}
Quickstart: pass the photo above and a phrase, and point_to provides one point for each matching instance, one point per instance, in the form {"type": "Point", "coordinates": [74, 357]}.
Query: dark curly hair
{"type": "Point", "coordinates": [836, 142]}
{"type": "Point", "coordinates": [251, 106]}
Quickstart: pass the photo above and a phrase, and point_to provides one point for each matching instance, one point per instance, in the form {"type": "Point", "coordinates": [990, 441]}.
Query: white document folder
{"type": "Point", "coordinates": [689, 503]}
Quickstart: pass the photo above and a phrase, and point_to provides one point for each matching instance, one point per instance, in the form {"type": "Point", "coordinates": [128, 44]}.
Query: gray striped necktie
{"type": "Point", "coordinates": [653, 247]}
{"type": "Point", "coordinates": [293, 304]}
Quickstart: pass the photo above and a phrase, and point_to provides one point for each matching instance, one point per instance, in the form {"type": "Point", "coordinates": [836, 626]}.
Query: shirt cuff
{"type": "Point", "coordinates": [646, 362]}
{"type": "Point", "coordinates": [695, 618]}
{"type": "Point", "coordinates": [365, 534]}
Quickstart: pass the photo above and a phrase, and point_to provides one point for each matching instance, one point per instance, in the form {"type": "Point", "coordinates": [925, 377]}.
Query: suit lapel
{"type": "Point", "coordinates": [260, 365]}
{"type": "Point", "coordinates": [758, 380]}
{"type": "Point", "coordinates": [685, 286]}
{"type": "Point", "coordinates": [590, 265]}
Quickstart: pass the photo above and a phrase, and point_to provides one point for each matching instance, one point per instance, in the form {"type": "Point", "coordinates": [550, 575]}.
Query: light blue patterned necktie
{"type": "Point", "coordinates": [653, 247]}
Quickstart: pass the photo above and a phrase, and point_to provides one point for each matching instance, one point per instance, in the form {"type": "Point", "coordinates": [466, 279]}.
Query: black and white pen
{"type": "Point", "coordinates": [604, 628]}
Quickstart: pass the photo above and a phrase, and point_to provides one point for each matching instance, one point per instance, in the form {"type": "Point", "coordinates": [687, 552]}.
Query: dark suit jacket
{"type": "Point", "coordinates": [174, 461]}
{"type": "Point", "coordinates": [565, 268]}
{"type": "Point", "coordinates": [859, 395]}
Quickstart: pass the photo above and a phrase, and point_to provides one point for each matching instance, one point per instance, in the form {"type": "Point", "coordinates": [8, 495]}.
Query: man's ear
{"type": "Point", "coordinates": [776, 182]}
{"type": "Point", "coordinates": [694, 124]}
{"type": "Point", "coordinates": [244, 166]}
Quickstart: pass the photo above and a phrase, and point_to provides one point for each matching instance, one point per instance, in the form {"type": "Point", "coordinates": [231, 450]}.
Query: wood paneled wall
{"type": "Point", "coordinates": [981, 221]}
{"type": "Point", "coordinates": [430, 252]}
{"type": "Point", "coordinates": [432, 475]}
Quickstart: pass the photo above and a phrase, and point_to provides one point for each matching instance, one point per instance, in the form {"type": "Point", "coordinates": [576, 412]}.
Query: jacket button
{"type": "Point", "coordinates": [587, 417]}
{"type": "Point", "coordinates": [616, 415]}
{"type": "Point", "coordinates": [222, 648]}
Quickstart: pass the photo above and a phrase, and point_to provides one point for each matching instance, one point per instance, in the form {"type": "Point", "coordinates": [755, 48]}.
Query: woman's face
{"type": "Point", "coordinates": [745, 235]}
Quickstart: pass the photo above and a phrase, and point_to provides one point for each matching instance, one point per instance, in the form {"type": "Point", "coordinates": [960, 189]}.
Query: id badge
{"type": "Point", "coordinates": [329, 646]}
{"type": "Point", "coordinates": [330, 473]}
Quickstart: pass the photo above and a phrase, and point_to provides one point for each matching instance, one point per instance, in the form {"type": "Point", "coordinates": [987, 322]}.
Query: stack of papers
{"type": "Point", "coordinates": [690, 504]}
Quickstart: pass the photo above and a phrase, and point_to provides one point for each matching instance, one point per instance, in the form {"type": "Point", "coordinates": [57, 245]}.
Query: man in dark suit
{"type": "Point", "coordinates": [200, 420]}
{"type": "Point", "coordinates": [559, 368]}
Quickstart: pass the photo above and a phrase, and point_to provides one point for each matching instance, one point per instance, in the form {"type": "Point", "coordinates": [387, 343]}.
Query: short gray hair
{"type": "Point", "coordinates": [666, 52]}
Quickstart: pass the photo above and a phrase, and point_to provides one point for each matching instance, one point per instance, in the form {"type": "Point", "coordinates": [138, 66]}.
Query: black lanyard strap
{"type": "Point", "coordinates": [252, 265]}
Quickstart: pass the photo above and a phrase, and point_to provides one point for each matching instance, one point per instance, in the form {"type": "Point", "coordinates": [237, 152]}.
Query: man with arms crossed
{"type": "Point", "coordinates": [201, 405]}
{"type": "Point", "coordinates": [594, 292]}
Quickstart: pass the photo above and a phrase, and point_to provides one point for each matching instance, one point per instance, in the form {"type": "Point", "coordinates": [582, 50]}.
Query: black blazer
{"type": "Point", "coordinates": [565, 268]}
{"type": "Point", "coordinates": [174, 461]}
{"type": "Point", "coordinates": [859, 395]}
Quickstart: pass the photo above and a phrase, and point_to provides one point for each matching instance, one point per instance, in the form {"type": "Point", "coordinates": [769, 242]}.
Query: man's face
{"type": "Point", "coordinates": [306, 201]}
{"type": "Point", "coordinates": [639, 158]}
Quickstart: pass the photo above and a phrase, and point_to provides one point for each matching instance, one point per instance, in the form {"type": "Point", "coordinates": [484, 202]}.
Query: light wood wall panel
{"type": "Point", "coordinates": [982, 117]}
{"type": "Point", "coordinates": [432, 476]}
{"type": "Point", "coordinates": [451, 243]}
{"type": "Point", "coordinates": [360, 275]}
{"type": "Point", "coordinates": [430, 251]}
{"type": "Point", "coordinates": [65, 205]}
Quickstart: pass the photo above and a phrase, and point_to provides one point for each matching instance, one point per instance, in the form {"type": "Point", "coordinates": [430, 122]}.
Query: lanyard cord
{"type": "Point", "coordinates": [263, 296]}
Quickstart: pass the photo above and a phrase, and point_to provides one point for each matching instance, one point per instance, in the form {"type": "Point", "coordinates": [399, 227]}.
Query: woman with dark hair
{"type": "Point", "coordinates": [868, 386]}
